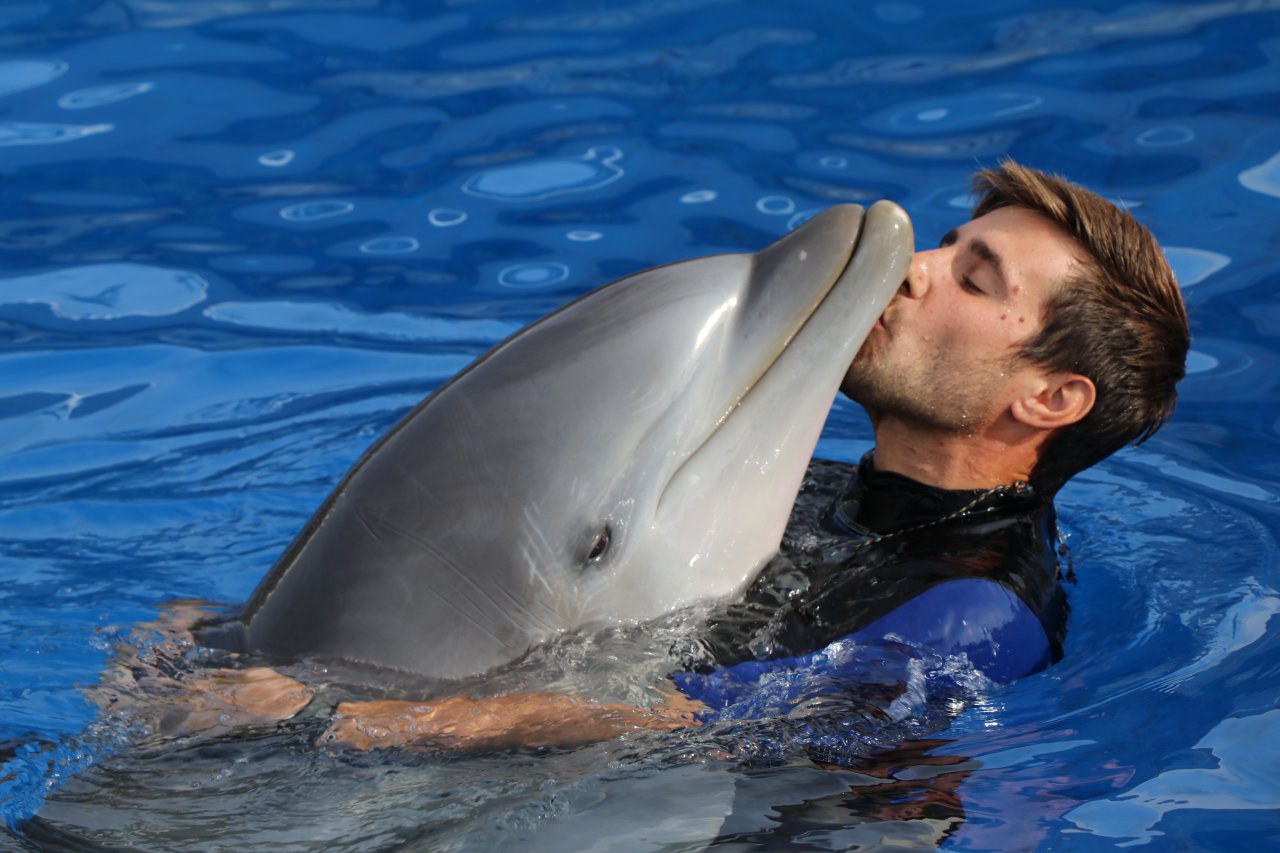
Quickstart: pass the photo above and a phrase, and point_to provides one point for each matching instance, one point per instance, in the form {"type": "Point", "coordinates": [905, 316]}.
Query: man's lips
{"type": "Point", "coordinates": [881, 323]}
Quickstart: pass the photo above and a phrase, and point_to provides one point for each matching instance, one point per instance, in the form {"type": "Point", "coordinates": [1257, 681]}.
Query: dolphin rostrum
{"type": "Point", "coordinates": [636, 451]}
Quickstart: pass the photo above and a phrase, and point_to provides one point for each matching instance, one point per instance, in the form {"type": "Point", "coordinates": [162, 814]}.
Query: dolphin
{"type": "Point", "coordinates": [634, 452]}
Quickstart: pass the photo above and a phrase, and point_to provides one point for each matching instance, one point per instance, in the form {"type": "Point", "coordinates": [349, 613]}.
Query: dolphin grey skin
{"type": "Point", "coordinates": [634, 452]}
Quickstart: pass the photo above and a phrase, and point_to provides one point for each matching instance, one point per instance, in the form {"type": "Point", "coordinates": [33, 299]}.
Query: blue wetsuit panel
{"type": "Point", "coordinates": [983, 619]}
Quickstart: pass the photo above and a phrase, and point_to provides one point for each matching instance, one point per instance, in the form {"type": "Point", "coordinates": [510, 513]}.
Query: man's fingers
{"type": "Point", "coordinates": [378, 724]}
{"type": "Point", "coordinates": [259, 694]}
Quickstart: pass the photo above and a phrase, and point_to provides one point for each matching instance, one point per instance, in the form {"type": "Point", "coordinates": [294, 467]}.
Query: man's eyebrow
{"type": "Point", "coordinates": [984, 251]}
{"type": "Point", "coordinates": [979, 247]}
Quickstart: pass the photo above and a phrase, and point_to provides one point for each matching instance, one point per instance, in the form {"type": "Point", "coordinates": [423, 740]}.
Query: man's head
{"type": "Point", "coordinates": [1050, 322]}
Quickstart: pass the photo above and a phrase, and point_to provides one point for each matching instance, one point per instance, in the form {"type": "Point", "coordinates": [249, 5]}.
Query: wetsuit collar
{"type": "Point", "coordinates": [882, 502]}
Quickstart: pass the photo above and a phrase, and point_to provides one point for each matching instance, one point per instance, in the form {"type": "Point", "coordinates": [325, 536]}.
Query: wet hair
{"type": "Point", "coordinates": [1119, 319]}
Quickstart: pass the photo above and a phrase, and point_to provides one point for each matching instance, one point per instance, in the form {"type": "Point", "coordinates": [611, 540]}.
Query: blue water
{"type": "Point", "coordinates": [240, 239]}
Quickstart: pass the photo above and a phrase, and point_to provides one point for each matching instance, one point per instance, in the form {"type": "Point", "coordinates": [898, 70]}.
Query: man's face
{"type": "Point", "coordinates": [943, 356]}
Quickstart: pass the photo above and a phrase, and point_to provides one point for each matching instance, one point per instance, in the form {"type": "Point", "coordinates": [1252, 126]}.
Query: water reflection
{"type": "Point", "coordinates": [1240, 779]}
{"type": "Point", "coordinates": [1264, 178]}
{"type": "Point", "coordinates": [541, 179]}
{"type": "Point", "coordinates": [521, 276]}
{"type": "Point", "coordinates": [41, 133]}
{"type": "Point", "coordinates": [101, 96]}
{"type": "Point", "coordinates": [107, 291]}
{"type": "Point", "coordinates": [18, 75]}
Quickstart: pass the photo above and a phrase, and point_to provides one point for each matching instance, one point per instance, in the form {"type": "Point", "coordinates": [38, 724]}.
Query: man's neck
{"type": "Point", "coordinates": [951, 461]}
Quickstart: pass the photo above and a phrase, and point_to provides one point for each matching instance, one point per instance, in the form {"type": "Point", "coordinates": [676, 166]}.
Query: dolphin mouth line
{"type": "Point", "coordinates": [778, 355]}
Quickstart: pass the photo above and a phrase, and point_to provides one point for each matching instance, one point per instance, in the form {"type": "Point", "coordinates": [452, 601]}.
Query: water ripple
{"type": "Point", "coordinates": [533, 275]}
{"type": "Point", "coordinates": [107, 291]}
{"type": "Point", "coordinates": [1263, 178]}
{"type": "Point", "coordinates": [327, 318]}
{"type": "Point", "coordinates": [43, 133]}
{"type": "Point", "coordinates": [100, 96]}
{"type": "Point", "coordinates": [21, 74]}
{"type": "Point", "coordinates": [541, 179]}
{"type": "Point", "coordinates": [618, 18]}
{"type": "Point", "coordinates": [1240, 778]}
{"type": "Point", "coordinates": [311, 211]}
{"type": "Point", "coordinates": [1193, 266]}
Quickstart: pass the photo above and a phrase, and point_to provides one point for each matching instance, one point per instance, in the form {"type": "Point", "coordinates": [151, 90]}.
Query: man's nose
{"type": "Point", "coordinates": [917, 283]}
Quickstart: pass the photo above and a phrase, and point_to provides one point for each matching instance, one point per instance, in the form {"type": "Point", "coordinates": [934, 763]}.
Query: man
{"type": "Point", "coordinates": [1040, 337]}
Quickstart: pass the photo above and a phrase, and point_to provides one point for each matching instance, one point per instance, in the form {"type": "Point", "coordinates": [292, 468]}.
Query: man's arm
{"type": "Point", "coordinates": [501, 722]}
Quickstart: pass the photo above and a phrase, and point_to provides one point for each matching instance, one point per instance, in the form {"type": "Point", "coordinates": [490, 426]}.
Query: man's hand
{"type": "Point", "coordinates": [501, 722]}
{"type": "Point", "coordinates": [176, 699]}
{"type": "Point", "coordinates": [221, 699]}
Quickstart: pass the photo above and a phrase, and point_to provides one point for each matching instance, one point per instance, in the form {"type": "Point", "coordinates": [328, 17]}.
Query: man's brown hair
{"type": "Point", "coordinates": [1119, 320]}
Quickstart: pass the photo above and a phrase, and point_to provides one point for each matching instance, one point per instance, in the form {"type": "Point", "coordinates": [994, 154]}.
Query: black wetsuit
{"type": "Point", "coordinates": [889, 559]}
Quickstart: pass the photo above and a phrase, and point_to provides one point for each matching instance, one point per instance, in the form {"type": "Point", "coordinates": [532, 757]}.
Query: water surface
{"type": "Point", "coordinates": [241, 239]}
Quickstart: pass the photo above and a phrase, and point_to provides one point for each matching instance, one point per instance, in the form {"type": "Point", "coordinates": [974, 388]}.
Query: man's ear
{"type": "Point", "coordinates": [1056, 400]}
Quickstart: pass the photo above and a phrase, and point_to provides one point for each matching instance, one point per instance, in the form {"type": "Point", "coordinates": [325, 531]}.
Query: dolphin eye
{"type": "Point", "coordinates": [600, 546]}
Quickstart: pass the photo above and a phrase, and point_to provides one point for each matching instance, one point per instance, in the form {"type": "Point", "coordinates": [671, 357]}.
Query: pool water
{"type": "Point", "coordinates": [241, 239]}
